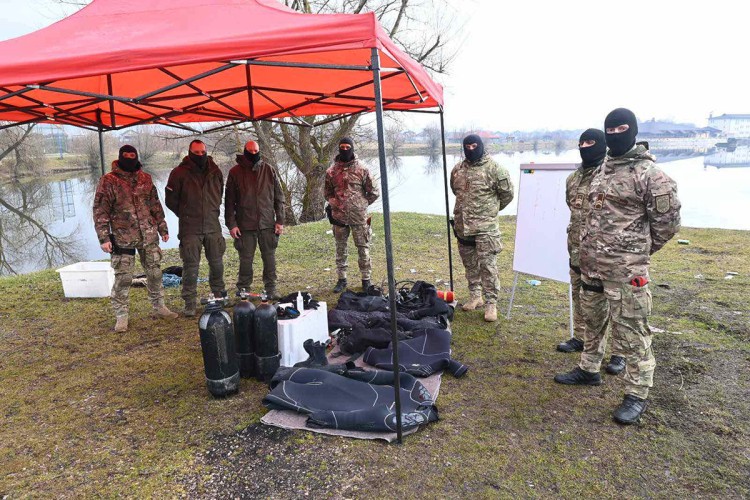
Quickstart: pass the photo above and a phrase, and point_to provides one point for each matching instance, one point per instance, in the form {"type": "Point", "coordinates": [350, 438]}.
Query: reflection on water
{"type": "Point", "coordinates": [46, 224]}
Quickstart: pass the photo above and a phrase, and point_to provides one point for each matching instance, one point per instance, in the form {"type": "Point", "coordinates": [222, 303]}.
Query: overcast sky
{"type": "Point", "coordinates": [530, 64]}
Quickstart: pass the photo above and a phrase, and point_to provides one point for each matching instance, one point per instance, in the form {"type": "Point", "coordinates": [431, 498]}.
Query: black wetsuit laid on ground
{"type": "Point", "coordinates": [420, 356]}
{"type": "Point", "coordinates": [355, 400]}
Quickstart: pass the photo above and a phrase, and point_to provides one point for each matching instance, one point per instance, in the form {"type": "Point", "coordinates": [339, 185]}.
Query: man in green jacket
{"type": "Point", "coordinates": [254, 214]}
{"type": "Point", "coordinates": [482, 189]}
{"type": "Point", "coordinates": [193, 193]}
{"type": "Point", "coordinates": [128, 217]}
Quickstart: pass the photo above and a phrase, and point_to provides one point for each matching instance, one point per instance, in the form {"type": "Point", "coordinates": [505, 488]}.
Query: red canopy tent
{"type": "Point", "coordinates": [116, 64]}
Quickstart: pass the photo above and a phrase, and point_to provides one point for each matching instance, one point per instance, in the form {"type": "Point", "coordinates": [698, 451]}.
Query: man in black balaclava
{"type": "Point", "coordinates": [129, 218]}
{"type": "Point", "coordinates": [482, 189]}
{"type": "Point", "coordinates": [128, 158]}
{"type": "Point", "coordinates": [254, 214]}
{"type": "Point", "coordinates": [621, 127]}
{"type": "Point", "coordinates": [349, 190]}
{"type": "Point", "coordinates": [633, 211]}
{"type": "Point", "coordinates": [193, 193]}
{"type": "Point", "coordinates": [593, 150]}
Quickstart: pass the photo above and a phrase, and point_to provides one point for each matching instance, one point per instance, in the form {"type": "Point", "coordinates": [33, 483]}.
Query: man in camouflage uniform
{"type": "Point", "coordinates": [633, 212]}
{"type": "Point", "coordinates": [193, 193]}
{"type": "Point", "coordinates": [254, 214]}
{"type": "Point", "coordinates": [128, 217]}
{"type": "Point", "coordinates": [593, 150]}
{"type": "Point", "coordinates": [349, 190]}
{"type": "Point", "coordinates": [482, 189]}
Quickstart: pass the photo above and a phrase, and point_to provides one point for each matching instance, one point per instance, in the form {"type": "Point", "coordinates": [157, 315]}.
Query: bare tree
{"type": "Point", "coordinates": [433, 139]}
{"type": "Point", "coordinates": [394, 137]}
{"type": "Point", "coordinates": [21, 151]}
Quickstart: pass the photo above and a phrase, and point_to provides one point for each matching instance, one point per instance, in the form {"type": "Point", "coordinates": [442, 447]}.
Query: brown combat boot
{"type": "Point", "coordinates": [474, 302]}
{"type": "Point", "coordinates": [162, 312]}
{"type": "Point", "coordinates": [122, 324]}
{"type": "Point", "coordinates": [490, 313]}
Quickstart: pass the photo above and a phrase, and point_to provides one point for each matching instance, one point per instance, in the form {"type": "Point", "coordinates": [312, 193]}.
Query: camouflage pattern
{"type": "Point", "coordinates": [577, 197]}
{"type": "Point", "coordinates": [480, 262]}
{"type": "Point", "coordinates": [124, 266]}
{"type": "Point", "coordinates": [633, 211]}
{"type": "Point", "coordinates": [579, 325]}
{"type": "Point", "coordinates": [245, 245]}
{"type": "Point", "coordinates": [482, 189]}
{"type": "Point", "coordinates": [190, 253]}
{"type": "Point", "coordinates": [127, 206]}
{"type": "Point", "coordinates": [361, 234]}
{"type": "Point", "coordinates": [629, 308]}
{"type": "Point", "coordinates": [349, 190]}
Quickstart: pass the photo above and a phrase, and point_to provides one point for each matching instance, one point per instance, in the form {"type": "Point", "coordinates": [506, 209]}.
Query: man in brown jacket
{"type": "Point", "coordinates": [193, 193]}
{"type": "Point", "coordinates": [254, 214]}
{"type": "Point", "coordinates": [128, 217]}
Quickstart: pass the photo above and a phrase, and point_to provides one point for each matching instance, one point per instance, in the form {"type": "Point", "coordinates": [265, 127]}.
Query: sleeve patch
{"type": "Point", "coordinates": [663, 203]}
{"type": "Point", "coordinates": [504, 184]}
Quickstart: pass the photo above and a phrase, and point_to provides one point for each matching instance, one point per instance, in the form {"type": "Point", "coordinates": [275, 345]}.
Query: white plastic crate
{"type": "Point", "coordinates": [87, 279]}
{"type": "Point", "coordinates": [312, 324]}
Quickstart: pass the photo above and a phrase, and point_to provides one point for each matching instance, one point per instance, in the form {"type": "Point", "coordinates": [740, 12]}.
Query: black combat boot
{"type": "Point", "coordinates": [630, 410]}
{"type": "Point", "coordinates": [577, 376]}
{"type": "Point", "coordinates": [570, 345]}
{"type": "Point", "coordinates": [616, 365]}
{"type": "Point", "coordinates": [340, 285]}
{"type": "Point", "coordinates": [365, 285]}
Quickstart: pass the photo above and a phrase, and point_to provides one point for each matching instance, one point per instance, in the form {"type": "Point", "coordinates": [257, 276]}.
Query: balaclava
{"type": "Point", "coordinates": [473, 154]}
{"type": "Point", "coordinates": [348, 155]}
{"type": "Point", "coordinates": [619, 144]}
{"type": "Point", "coordinates": [593, 156]}
{"type": "Point", "coordinates": [253, 158]}
{"type": "Point", "coordinates": [128, 164]}
{"type": "Point", "coordinates": [200, 160]}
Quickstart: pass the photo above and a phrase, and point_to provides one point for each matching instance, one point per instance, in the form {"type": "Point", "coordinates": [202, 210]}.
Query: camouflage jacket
{"type": "Point", "coordinates": [194, 195]}
{"type": "Point", "coordinates": [577, 197]}
{"type": "Point", "coordinates": [633, 211]}
{"type": "Point", "coordinates": [127, 206]}
{"type": "Point", "coordinates": [349, 190]}
{"type": "Point", "coordinates": [253, 197]}
{"type": "Point", "coordinates": [482, 189]}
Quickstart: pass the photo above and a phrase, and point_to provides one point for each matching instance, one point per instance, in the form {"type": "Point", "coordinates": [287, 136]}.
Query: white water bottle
{"type": "Point", "coordinates": [300, 303]}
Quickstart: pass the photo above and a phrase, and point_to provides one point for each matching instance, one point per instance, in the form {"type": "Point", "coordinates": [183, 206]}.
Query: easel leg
{"type": "Point", "coordinates": [512, 295]}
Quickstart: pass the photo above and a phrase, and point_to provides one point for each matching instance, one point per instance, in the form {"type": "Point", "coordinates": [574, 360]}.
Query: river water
{"type": "Point", "coordinates": [47, 224]}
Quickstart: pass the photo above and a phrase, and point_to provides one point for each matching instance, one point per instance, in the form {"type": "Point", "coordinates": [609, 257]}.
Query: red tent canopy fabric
{"type": "Point", "coordinates": [115, 64]}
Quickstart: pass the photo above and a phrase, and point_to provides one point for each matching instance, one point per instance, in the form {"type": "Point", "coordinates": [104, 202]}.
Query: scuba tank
{"type": "Point", "coordinates": [266, 340]}
{"type": "Point", "coordinates": [218, 346]}
{"type": "Point", "coordinates": [243, 316]}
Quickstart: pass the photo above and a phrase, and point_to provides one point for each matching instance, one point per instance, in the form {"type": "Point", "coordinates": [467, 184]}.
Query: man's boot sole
{"type": "Point", "coordinates": [592, 382]}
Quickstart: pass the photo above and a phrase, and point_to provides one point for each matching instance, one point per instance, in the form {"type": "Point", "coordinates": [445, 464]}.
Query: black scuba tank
{"type": "Point", "coordinates": [267, 355]}
{"type": "Point", "coordinates": [218, 346]}
{"type": "Point", "coordinates": [243, 316]}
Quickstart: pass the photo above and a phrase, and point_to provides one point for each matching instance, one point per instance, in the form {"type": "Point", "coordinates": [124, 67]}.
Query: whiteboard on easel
{"type": "Point", "coordinates": [541, 247]}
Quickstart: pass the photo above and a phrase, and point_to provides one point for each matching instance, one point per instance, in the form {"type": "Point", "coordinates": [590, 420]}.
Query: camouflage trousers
{"type": "Point", "coordinates": [190, 253]}
{"type": "Point", "coordinates": [124, 265]}
{"type": "Point", "coordinates": [628, 308]}
{"type": "Point", "coordinates": [245, 245]}
{"type": "Point", "coordinates": [361, 234]}
{"type": "Point", "coordinates": [480, 263]}
{"type": "Point", "coordinates": [579, 325]}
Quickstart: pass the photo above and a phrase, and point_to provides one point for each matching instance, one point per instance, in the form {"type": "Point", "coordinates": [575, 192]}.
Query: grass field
{"type": "Point", "coordinates": [87, 412]}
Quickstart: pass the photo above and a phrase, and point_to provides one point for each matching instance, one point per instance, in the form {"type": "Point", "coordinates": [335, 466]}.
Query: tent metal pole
{"type": "Point", "coordinates": [388, 245]}
{"type": "Point", "coordinates": [300, 65]}
{"type": "Point", "coordinates": [447, 204]}
{"type": "Point", "coordinates": [101, 149]}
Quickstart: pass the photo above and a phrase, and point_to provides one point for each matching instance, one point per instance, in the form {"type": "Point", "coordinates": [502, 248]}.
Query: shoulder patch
{"type": "Point", "coordinates": [505, 184]}
{"type": "Point", "coordinates": [663, 203]}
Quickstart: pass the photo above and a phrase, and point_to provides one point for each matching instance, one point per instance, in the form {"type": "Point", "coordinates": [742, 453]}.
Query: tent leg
{"type": "Point", "coordinates": [512, 295]}
{"type": "Point", "coordinates": [375, 62]}
{"type": "Point", "coordinates": [101, 149]}
{"type": "Point", "coordinates": [570, 301]}
{"type": "Point", "coordinates": [447, 205]}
